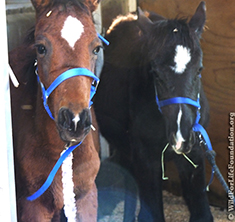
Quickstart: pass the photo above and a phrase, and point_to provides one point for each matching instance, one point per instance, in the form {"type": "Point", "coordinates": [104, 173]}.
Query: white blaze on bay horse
{"type": "Point", "coordinates": [76, 119]}
{"type": "Point", "coordinates": [72, 30]}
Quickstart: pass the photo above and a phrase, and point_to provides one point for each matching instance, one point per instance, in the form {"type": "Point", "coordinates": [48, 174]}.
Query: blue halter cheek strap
{"type": "Point", "coordinates": [64, 76]}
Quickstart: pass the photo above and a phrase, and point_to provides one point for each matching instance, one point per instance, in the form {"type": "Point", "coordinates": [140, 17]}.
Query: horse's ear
{"type": "Point", "coordinates": [92, 4]}
{"type": "Point", "coordinates": [198, 20]}
{"type": "Point", "coordinates": [143, 21]}
{"type": "Point", "coordinates": [38, 4]}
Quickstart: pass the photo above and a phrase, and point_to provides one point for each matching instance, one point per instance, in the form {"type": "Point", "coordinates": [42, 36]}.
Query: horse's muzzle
{"type": "Point", "coordinates": [181, 147]}
{"type": "Point", "coordinates": [73, 128]}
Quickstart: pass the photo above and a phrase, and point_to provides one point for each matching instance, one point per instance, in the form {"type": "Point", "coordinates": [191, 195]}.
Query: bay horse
{"type": "Point", "coordinates": [64, 40]}
{"type": "Point", "coordinates": [152, 59]}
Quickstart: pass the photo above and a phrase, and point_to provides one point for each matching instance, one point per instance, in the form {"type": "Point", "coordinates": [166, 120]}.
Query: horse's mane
{"type": "Point", "coordinates": [22, 59]}
{"type": "Point", "coordinates": [126, 34]}
{"type": "Point", "coordinates": [125, 40]}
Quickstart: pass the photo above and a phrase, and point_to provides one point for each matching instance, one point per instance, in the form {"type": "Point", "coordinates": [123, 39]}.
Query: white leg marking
{"type": "Point", "coordinates": [76, 119]}
{"type": "Point", "coordinates": [182, 58]}
{"type": "Point", "coordinates": [179, 137]}
{"type": "Point", "coordinates": [72, 30]}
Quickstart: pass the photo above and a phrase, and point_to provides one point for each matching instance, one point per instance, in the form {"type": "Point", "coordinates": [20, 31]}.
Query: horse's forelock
{"type": "Point", "coordinates": [171, 33]}
{"type": "Point", "coordinates": [64, 4]}
{"type": "Point", "coordinates": [166, 35]}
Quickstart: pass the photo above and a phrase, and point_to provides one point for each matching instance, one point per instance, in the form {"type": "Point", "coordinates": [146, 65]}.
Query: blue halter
{"type": "Point", "coordinates": [197, 127]}
{"type": "Point", "coordinates": [69, 74]}
{"type": "Point", "coordinates": [184, 100]}
{"type": "Point", "coordinates": [61, 78]}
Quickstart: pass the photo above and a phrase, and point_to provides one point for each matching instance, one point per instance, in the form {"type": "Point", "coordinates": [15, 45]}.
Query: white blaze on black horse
{"type": "Point", "coordinates": [179, 138]}
{"type": "Point", "coordinates": [151, 60]}
{"type": "Point", "coordinates": [181, 59]}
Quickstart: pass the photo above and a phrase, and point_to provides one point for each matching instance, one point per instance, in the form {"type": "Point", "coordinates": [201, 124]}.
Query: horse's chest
{"type": "Point", "coordinates": [57, 191]}
{"type": "Point", "coordinates": [147, 125]}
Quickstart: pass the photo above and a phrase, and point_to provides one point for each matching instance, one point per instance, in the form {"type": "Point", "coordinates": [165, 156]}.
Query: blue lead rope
{"type": "Point", "coordinates": [199, 128]}
{"type": "Point", "coordinates": [52, 174]}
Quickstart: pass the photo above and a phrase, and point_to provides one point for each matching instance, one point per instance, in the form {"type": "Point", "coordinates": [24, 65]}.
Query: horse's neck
{"type": "Point", "coordinates": [204, 109]}
{"type": "Point", "coordinates": [32, 127]}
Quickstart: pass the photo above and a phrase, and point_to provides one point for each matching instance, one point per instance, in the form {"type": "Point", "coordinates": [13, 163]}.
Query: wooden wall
{"type": "Point", "coordinates": [112, 8]}
{"type": "Point", "coordinates": [218, 44]}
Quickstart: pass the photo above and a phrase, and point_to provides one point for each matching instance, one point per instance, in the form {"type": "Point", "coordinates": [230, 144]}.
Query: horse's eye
{"type": "Point", "coordinates": [97, 49]}
{"type": "Point", "coordinates": [41, 49]}
{"type": "Point", "coordinates": [200, 70]}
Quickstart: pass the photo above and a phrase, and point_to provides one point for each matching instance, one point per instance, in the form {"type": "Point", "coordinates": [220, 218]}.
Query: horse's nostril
{"type": "Point", "coordinates": [85, 119]}
{"type": "Point", "coordinates": [65, 119]}
{"type": "Point", "coordinates": [192, 138]}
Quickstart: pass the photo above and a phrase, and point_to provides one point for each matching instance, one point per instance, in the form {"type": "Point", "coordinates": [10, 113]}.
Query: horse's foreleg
{"type": "Point", "coordinates": [193, 185]}
{"type": "Point", "coordinates": [87, 206]}
{"type": "Point", "coordinates": [149, 180]}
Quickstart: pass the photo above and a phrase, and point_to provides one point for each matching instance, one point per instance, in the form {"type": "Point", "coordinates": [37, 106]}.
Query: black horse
{"type": "Point", "coordinates": [152, 56]}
